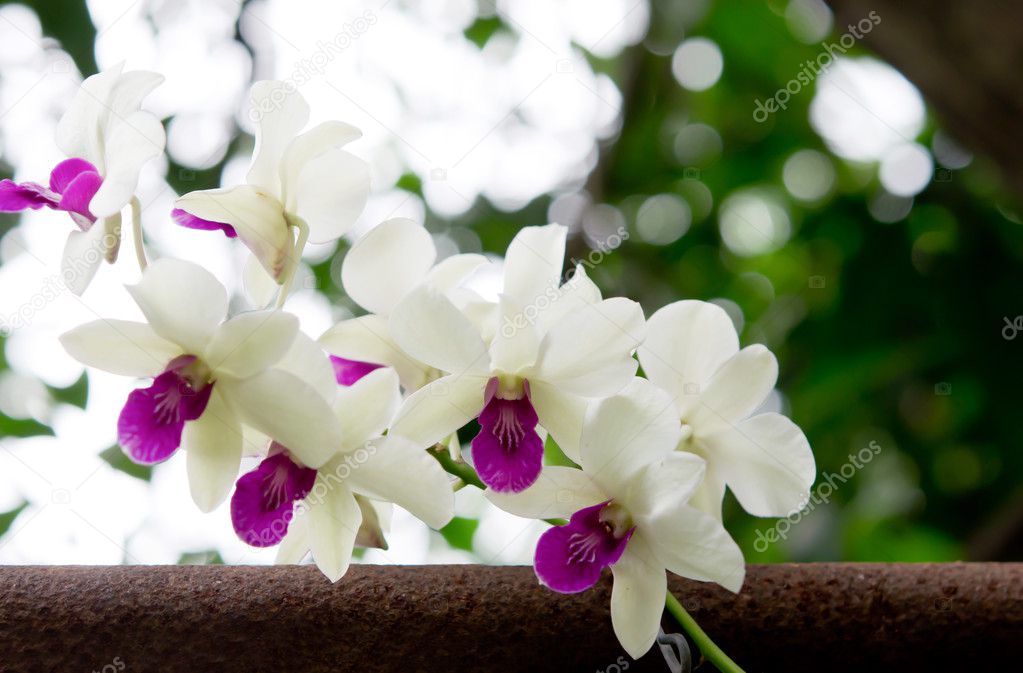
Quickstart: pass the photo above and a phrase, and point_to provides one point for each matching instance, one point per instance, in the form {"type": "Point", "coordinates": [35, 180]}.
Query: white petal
{"type": "Point", "coordinates": [533, 263]}
{"type": "Point", "coordinates": [131, 142]}
{"type": "Point", "coordinates": [309, 145]}
{"type": "Point", "coordinates": [130, 89]}
{"type": "Point", "coordinates": [693, 544]}
{"type": "Point", "coordinates": [333, 525]}
{"type": "Point", "coordinates": [368, 339]}
{"type": "Point", "coordinates": [295, 544]}
{"type": "Point", "coordinates": [84, 251]}
{"type": "Point", "coordinates": [666, 485]}
{"type": "Point", "coordinates": [183, 302]}
{"type": "Point", "coordinates": [735, 390]}
{"type": "Point", "coordinates": [574, 293]}
{"type": "Point", "coordinates": [623, 434]}
{"type": "Point", "coordinates": [686, 342]}
{"type": "Point", "coordinates": [288, 410]}
{"type": "Point", "coordinates": [637, 598]}
{"type": "Point", "coordinates": [398, 471]}
{"type": "Point", "coordinates": [558, 493]}
{"type": "Point", "coordinates": [251, 342]}
{"type": "Point", "coordinates": [589, 351]}
{"type": "Point", "coordinates": [213, 449]}
{"type": "Point", "coordinates": [80, 130]}
{"type": "Point", "coordinates": [561, 414]}
{"type": "Point", "coordinates": [329, 195]}
{"type": "Point", "coordinates": [451, 271]}
{"type": "Point", "coordinates": [280, 112]}
{"type": "Point", "coordinates": [307, 360]}
{"type": "Point", "coordinates": [436, 410]}
{"type": "Point", "coordinates": [365, 408]}
{"type": "Point", "coordinates": [516, 344]}
{"type": "Point", "coordinates": [428, 327]}
{"type": "Point", "coordinates": [766, 461]}
{"type": "Point", "coordinates": [120, 347]}
{"type": "Point", "coordinates": [710, 494]}
{"type": "Point", "coordinates": [386, 263]}
{"type": "Point", "coordinates": [256, 215]}
{"type": "Point", "coordinates": [260, 287]}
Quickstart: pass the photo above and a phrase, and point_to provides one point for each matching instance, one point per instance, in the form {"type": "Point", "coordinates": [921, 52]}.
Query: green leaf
{"type": "Point", "coordinates": [76, 394]}
{"type": "Point", "coordinates": [553, 455]}
{"type": "Point", "coordinates": [459, 532]}
{"type": "Point", "coordinates": [22, 427]}
{"type": "Point", "coordinates": [482, 30]}
{"type": "Point", "coordinates": [115, 457]}
{"type": "Point", "coordinates": [201, 558]}
{"type": "Point", "coordinates": [7, 518]}
{"type": "Point", "coordinates": [411, 182]}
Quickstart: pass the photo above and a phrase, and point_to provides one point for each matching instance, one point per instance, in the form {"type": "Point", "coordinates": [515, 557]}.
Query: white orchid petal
{"type": "Point", "coordinates": [735, 391]}
{"type": "Point", "coordinates": [251, 342]}
{"type": "Point", "coordinates": [533, 263]}
{"type": "Point", "coordinates": [666, 485]}
{"type": "Point", "coordinates": [80, 130]}
{"type": "Point", "coordinates": [120, 347]}
{"type": "Point", "coordinates": [589, 351]}
{"type": "Point", "coordinates": [436, 410]}
{"type": "Point", "coordinates": [307, 360]}
{"type": "Point", "coordinates": [309, 145]}
{"type": "Point", "coordinates": [289, 410]}
{"type": "Point", "coordinates": [333, 526]}
{"type": "Point", "coordinates": [401, 472]}
{"type": "Point", "coordinates": [558, 493]}
{"type": "Point", "coordinates": [260, 287]}
{"type": "Point", "coordinates": [368, 339]}
{"type": "Point", "coordinates": [693, 544]}
{"type": "Point", "coordinates": [84, 252]}
{"type": "Point", "coordinates": [387, 263]}
{"type": "Point", "coordinates": [329, 195]}
{"type": "Point", "coordinates": [256, 215]}
{"type": "Point", "coordinates": [624, 433]}
{"type": "Point", "coordinates": [213, 449]}
{"type": "Point", "coordinates": [561, 414]}
{"type": "Point", "coordinates": [766, 461]}
{"type": "Point", "coordinates": [135, 140]}
{"type": "Point", "coordinates": [182, 301]}
{"type": "Point", "coordinates": [295, 544]}
{"type": "Point", "coordinates": [453, 270]}
{"type": "Point", "coordinates": [428, 327]}
{"type": "Point", "coordinates": [574, 293]}
{"type": "Point", "coordinates": [516, 344]}
{"type": "Point", "coordinates": [686, 342]}
{"type": "Point", "coordinates": [365, 408]}
{"type": "Point", "coordinates": [637, 597]}
{"type": "Point", "coordinates": [280, 112]}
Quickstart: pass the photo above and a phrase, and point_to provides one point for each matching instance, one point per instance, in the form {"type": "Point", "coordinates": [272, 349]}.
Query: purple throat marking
{"type": "Point", "coordinates": [508, 451]}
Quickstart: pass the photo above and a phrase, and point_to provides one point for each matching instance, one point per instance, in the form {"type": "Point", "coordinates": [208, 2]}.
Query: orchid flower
{"type": "Point", "coordinates": [629, 511]}
{"type": "Point", "coordinates": [323, 510]}
{"type": "Point", "coordinates": [209, 378]}
{"type": "Point", "coordinates": [537, 370]}
{"type": "Point", "coordinates": [108, 138]}
{"type": "Point", "coordinates": [692, 352]}
{"type": "Point", "coordinates": [305, 181]}
{"type": "Point", "coordinates": [380, 270]}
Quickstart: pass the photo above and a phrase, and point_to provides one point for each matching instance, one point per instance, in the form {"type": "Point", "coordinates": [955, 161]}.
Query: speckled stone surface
{"type": "Point", "coordinates": [835, 617]}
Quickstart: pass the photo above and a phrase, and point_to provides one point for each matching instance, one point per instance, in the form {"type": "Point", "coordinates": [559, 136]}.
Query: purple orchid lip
{"type": "Point", "coordinates": [348, 372]}
{"type": "Point", "coordinates": [152, 420]}
{"type": "Point", "coordinates": [508, 451]}
{"type": "Point", "coordinates": [570, 558]}
{"type": "Point", "coordinates": [263, 504]}
{"type": "Point", "coordinates": [186, 219]}
{"type": "Point", "coordinates": [73, 183]}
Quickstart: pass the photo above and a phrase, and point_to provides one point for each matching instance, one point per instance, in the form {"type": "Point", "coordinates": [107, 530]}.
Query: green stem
{"type": "Point", "coordinates": [710, 651]}
{"type": "Point", "coordinates": [464, 471]}
{"type": "Point", "coordinates": [294, 260]}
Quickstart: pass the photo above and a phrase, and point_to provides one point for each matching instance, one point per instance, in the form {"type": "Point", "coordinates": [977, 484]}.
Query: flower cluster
{"type": "Point", "coordinates": [368, 415]}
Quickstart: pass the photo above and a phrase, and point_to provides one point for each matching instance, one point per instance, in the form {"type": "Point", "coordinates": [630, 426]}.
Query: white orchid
{"type": "Point", "coordinates": [386, 264]}
{"type": "Point", "coordinates": [108, 138]}
{"type": "Point", "coordinates": [629, 511]}
{"type": "Point", "coordinates": [692, 352]}
{"type": "Point", "coordinates": [296, 181]}
{"type": "Point", "coordinates": [542, 369]}
{"type": "Point", "coordinates": [334, 500]}
{"type": "Point", "coordinates": [210, 378]}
